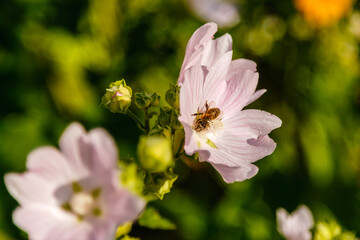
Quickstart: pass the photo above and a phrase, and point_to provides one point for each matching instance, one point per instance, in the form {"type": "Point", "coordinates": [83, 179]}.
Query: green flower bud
{"type": "Point", "coordinates": [143, 100]}
{"type": "Point", "coordinates": [117, 97]}
{"type": "Point", "coordinates": [172, 96]}
{"type": "Point", "coordinates": [326, 231]}
{"type": "Point", "coordinates": [158, 184]}
{"type": "Point", "coordinates": [155, 153]}
{"type": "Point", "coordinates": [169, 117]}
{"type": "Point", "coordinates": [155, 97]}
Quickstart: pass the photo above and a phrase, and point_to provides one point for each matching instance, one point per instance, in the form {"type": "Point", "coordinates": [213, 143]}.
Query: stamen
{"type": "Point", "coordinates": [82, 203]}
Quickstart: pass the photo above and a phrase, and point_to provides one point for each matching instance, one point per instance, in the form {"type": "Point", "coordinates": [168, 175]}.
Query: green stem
{"type": "Point", "coordinates": [147, 120]}
{"type": "Point", "coordinates": [136, 119]}
{"type": "Point", "coordinates": [179, 151]}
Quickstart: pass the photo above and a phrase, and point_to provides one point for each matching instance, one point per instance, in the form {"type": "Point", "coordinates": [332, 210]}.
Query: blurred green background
{"type": "Point", "coordinates": [58, 56]}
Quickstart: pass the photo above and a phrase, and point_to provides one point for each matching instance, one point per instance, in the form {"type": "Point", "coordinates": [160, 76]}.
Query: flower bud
{"type": "Point", "coordinates": [117, 97]}
{"type": "Point", "coordinates": [155, 153]}
{"type": "Point", "coordinates": [142, 100]}
{"type": "Point", "coordinates": [155, 99]}
{"type": "Point", "coordinates": [169, 117]}
{"type": "Point", "coordinates": [172, 96]}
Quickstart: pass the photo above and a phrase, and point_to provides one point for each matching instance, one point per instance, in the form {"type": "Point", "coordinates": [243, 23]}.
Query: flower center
{"type": "Point", "coordinates": [82, 203]}
{"type": "Point", "coordinates": [207, 124]}
{"type": "Point", "coordinates": [204, 120]}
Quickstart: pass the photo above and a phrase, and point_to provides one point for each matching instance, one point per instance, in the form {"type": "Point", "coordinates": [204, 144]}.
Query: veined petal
{"type": "Point", "coordinates": [190, 145]}
{"type": "Point", "coordinates": [190, 89]}
{"type": "Point", "coordinates": [257, 121]}
{"type": "Point", "coordinates": [244, 150]}
{"type": "Point", "coordinates": [195, 46]}
{"type": "Point", "coordinates": [239, 66]}
{"type": "Point", "coordinates": [215, 49]}
{"type": "Point", "coordinates": [215, 84]}
{"type": "Point", "coordinates": [239, 90]}
{"type": "Point", "coordinates": [255, 96]}
{"type": "Point", "coordinates": [236, 174]}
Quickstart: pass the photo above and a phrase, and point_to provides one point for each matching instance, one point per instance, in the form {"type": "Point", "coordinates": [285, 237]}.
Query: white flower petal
{"type": "Point", "coordinates": [238, 173]}
{"type": "Point", "coordinates": [50, 160]}
{"type": "Point", "coordinates": [43, 223]}
{"type": "Point", "coordinates": [215, 49]}
{"type": "Point", "coordinates": [255, 96]}
{"type": "Point", "coordinates": [190, 145]}
{"type": "Point", "coordinates": [104, 152]}
{"type": "Point", "coordinates": [215, 84]}
{"type": "Point", "coordinates": [295, 226]}
{"type": "Point", "coordinates": [72, 146]}
{"type": "Point", "coordinates": [239, 66]}
{"type": "Point", "coordinates": [256, 121]}
{"type": "Point", "coordinates": [195, 46]}
{"type": "Point", "coordinates": [31, 188]}
{"type": "Point", "coordinates": [192, 86]}
{"type": "Point", "coordinates": [244, 150]}
{"type": "Point", "coordinates": [239, 90]}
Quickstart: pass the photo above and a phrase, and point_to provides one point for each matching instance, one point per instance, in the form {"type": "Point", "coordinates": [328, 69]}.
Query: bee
{"type": "Point", "coordinates": [203, 120]}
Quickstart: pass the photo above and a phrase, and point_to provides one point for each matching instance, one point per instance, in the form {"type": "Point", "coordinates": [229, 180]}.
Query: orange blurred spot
{"type": "Point", "coordinates": [323, 13]}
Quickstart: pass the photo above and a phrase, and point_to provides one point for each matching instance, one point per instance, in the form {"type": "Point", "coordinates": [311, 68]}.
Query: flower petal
{"type": "Point", "coordinates": [190, 145]}
{"type": "Point", "coordinates": [215, 84]}
{"type": "Point", "coordinates": [296, 225]}
{"type": "Point", "coordinates": [126, 206]}
{"type": "Point", "coordinates": [195, 46]}
{"type": "Point", "coordinates": [73, 147]}
{"type": "Point", "coordinates": [243, 150]}
{"type": "Point", "coordinates": [31, 188]}
{"type": "Point", "coordinates": [239, 90]}
{"type": "Point", "coordinates": [255, 96]}
{"type": "Point", "coordinates": [236, 174]}
{"type": "Point", "coordinates": [240, 66]}
{"type": "Point", "coordinates": [190, 89]}
{"type": "Point", "coordinates": [215, 49]}
{"type": "Point", "coordinates": [104, 152]}
{"type": "Point", "coordinates": [256, 121]}
{"type": "Point", "coordinates": [223, 13]}
{"type": "Point", "coordinates": [50, 160]}
{"type": "Point", "coordinates": [43, 223]}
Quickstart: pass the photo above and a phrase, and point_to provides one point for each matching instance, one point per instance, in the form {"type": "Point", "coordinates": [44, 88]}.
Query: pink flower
{"type": "Point", "coordinates": [73, 193]}
{"type": "Point", "coordinates": [235, 138]}
{"type": "Point", "coordinates": [297, 225]}
{"type": "Point", "coordinates": [225, 14]}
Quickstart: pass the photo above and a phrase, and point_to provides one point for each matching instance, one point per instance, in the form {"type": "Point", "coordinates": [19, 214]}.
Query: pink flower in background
{"type": "Point", "coordinates": [73, 193]}
{"type": "Point", "coordinates": [222, 12]}
{"type": "Point", "coordinates": [295, 226]}
{"type": "Point", "coordinates": [214, 90]}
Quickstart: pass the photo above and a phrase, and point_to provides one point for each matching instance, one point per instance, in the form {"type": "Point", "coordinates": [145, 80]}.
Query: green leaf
{"type": "Point", "coordinates": [123, 230]}
{"type": "Point", "coordinates": [158, 184]}
{"type": "Point", "coordinates": [152, 219]}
